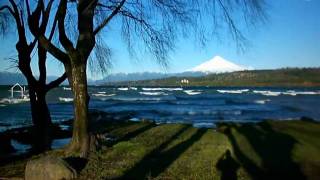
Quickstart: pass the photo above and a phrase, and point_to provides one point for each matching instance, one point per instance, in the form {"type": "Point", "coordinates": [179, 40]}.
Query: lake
{"type": "Point", "coordinates": [201, 106]}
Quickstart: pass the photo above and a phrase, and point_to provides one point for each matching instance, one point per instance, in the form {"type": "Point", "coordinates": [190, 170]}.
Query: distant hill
{"type": "Point", "coordinates": [9, 78]}
{"type": "Point", "coordinates": [215, 65]}
{"type": "Point", "coordinates": [125, 77]}
{"type": "Point", "coordinates": [281, 77]}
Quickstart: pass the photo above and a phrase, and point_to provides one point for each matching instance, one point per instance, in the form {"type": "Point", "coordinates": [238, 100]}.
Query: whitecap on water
{"type": "Point", "coordinates": [64, 127]}
{"type": "Point", "coordinates": [14, 100]}
{"type": "Point", "coordinates": [204, 125]}
{"type": "Point", "coordinates": [192, 92]}
{"type": "Point", "coordinates": [162, 89]}
{"type": "Point", "coordinates": [294, 93]}
{"type": "Point", "coordinates": [240, 91]}
{"type": "Point", "coordinates": [133, 88]}
{"type": "Point", "coordinates": [153, 93]}
{"type": "Point", "coordinates": [130, 99]}
{"type": "Point", "coordinates": [263, 101]}
{"type": "Point", "coordinates": [289, 92]}
{"type": "Point", "coordinates": [66, 88]}
{"type": "Point", "coordinates": [103, 95]}
{"type": "Point", "coordinates": [123, 89]}
{"type": "Point", "coordinates": [134, 119]}
{"type": "Point", "coordinates": [19, 147]}
{"type": "Point", "coordinates": [65, 99]}
{"type": "Point", "coordinates": [268, 93]}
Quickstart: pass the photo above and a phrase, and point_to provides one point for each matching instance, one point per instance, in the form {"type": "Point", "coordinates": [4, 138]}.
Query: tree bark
{"type": "Point", "coordinates": [80, 136]}
{"type": "Point", "coordinates": [42, 130]}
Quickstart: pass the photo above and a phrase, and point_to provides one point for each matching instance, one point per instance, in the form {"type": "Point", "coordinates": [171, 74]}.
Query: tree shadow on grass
{"type": "Point", "coordinates": [132, 134]}
{"type": "Point", "coordinates": [154, 163]}
{"type": "Point", "coordinates": [136, 132]}
{"type": "Point", "coordinates": [228, 166]}
{"type": "Point", "coordinates": [273, 147]}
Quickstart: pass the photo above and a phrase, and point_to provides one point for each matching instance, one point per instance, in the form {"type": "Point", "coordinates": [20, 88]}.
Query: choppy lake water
{"type": "Point", "coordinates": [196, 105]}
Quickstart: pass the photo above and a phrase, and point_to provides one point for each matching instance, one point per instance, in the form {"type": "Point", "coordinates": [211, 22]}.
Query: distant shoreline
{"type": "Point", "coordinates": [293, 77]}
{"type": "Point", "coordinates": [287, 77]}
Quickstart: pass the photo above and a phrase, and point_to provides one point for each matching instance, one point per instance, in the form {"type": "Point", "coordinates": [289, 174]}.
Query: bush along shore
{"type": "Point", "coordinates": [145, 150]}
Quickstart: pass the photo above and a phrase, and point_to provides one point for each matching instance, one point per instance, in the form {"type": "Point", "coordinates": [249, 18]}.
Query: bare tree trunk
{"type": "Point", "coordinates": [80, 137]}
{"type": "Point", "coordinates": [41, 119]}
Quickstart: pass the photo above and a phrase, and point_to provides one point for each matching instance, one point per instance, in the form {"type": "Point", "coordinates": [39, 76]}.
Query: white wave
{"type": "Point", "coordinates": [133, 88]}
{"type": "Point", "coordinates": [263, 101]}
{"type": "Point", "coordinates": [21, 148]}
{"type": "Point", "coordinates": [2, 105]}
{"type": "Point", "coordinates": [291, 93]}
{"type": "Point", "coordinates": [102, 92]}
{"type": "Point", "coordinates": [66, 88]}
{"type": "Point", "coordinates": [204, 125]}
{"type": "Point", "coordinates": [240, 91]}
{"type": "Point", "coordinates": [14, 100]}
{"type": "Point", "coordinates": [153, 93]}
{"type": "Point", "coordinates": [123, 89]}
{"type": "Point", "coordinates": [134, 119]}
{"type": "Point", "coordinates": [151, 89]}
{"type": "Point", "coordinates": [294, 93]}
{"type": "Point", "coordinates": [192, 92]}
{"type": "Point", "coordinates": [65, 99]}
{"type": "Point", "coordinates": [173, 89]}
{"type": "Point", "coordinates": [162, 89]}
{"type": "Point", "coordinates": [135, 99]}
{"type": "Point", "coordinates": [268, 93]}
{"type": "Point", "coordinates": [103, 95]}
{"type": "Point", "coordinates": [64, 127]}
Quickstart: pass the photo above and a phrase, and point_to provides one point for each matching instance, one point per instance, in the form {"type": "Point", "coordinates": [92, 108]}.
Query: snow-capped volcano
{"type": "Point", "coordinates": [218, 65]}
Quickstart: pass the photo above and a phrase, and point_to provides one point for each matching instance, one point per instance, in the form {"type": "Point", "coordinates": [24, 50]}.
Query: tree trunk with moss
{"type": "Point", "coordinates": [80, 135]}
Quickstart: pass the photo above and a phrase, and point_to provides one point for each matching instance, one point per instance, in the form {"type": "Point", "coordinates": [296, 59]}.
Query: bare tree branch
{"type": "Point", "coordinates": [5, 19]}
{"type": "Point", "coordinates": [8, 8]}
{"type": "Point", "coordinates": [57, 82]}
{"type": "Point", "coordinates": [28, 7]}
{"type": "Point", "coordinates": [107, 20]}
{"type": "Point", "coordinates": [56, 52]}
{"type": "Point", "coordinates": [53, 28]}
{"type": "Point", "coordinates": [45, 17]}
{"type": "Point", "coordinates": [61, 14]}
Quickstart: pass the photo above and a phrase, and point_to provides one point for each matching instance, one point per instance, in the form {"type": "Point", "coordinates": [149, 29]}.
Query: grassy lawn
{"type": "Point", "coordinates": [286, 150]}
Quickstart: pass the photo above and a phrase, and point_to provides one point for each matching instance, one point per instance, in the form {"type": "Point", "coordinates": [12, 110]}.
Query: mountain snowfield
{"type": "Point", "coordinates": [218, 65]}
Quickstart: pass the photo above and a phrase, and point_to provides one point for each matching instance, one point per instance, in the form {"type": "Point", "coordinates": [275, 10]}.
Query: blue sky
{"type": "Point", "coordinates": [290, 38]}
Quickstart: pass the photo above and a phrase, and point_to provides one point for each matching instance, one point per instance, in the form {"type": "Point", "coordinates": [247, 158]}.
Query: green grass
{"type": "Point", "coordinates": [287, 150]}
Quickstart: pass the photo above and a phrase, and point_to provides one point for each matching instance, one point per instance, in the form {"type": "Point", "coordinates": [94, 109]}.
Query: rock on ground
{"type": "Point", "coordinates": [49, 168]}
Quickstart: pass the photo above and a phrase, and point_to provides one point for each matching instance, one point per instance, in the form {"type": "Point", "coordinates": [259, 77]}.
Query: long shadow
{"type": "Point", "coordinates": [274, 148]}
{"type": "Point", "coordinates": [276, 153]}
{"type": "Point", "coordinates": [228, 166]}
{"type": "Point", "coordinates": [247, 163]}
{"type": "Point", "coordinates": [132, 134]}
{"type": "Point", "coordinates": [157, 161]}
{"type": "Point", "coordinates": [136, 132]}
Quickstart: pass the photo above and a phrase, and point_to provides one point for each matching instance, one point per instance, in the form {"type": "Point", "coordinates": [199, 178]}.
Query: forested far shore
{"type": "Point", "coordinates": [298, 77]}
